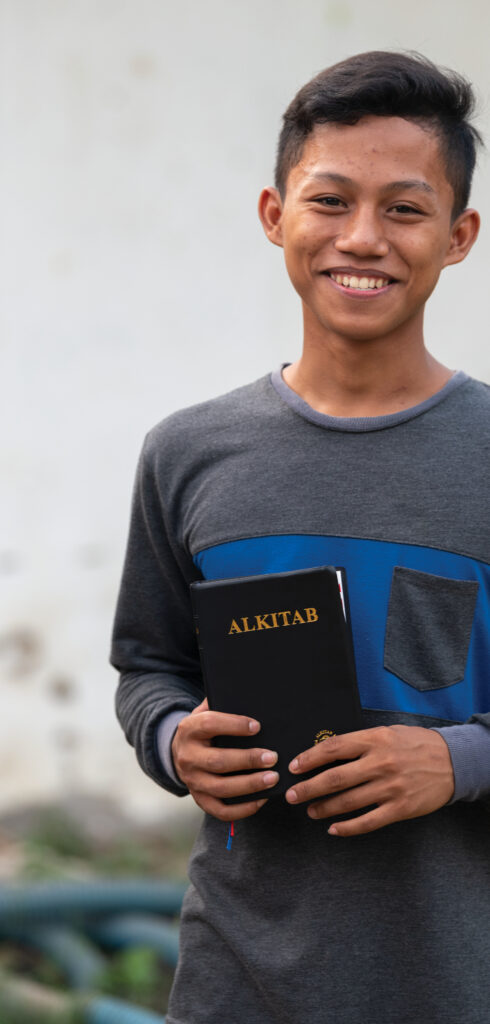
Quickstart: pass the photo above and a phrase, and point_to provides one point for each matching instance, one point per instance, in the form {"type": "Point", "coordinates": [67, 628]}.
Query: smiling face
{"type": "Point", "coordinates": [366, 227]}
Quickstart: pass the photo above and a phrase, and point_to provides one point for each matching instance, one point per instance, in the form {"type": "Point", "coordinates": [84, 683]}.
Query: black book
{"type": "Point", "coordinates": [278, 648]}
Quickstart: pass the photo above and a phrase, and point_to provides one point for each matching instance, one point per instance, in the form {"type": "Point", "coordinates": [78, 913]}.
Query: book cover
{"type": "Point", "coordinates": [278, 648]}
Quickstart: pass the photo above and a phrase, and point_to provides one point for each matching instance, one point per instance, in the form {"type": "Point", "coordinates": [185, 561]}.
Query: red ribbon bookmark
{"type": "Point", "coordinates": [231, 833]}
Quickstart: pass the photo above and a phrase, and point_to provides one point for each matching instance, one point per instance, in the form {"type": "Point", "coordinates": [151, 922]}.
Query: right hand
{"type": "Point", "coordinates": [205, 768]}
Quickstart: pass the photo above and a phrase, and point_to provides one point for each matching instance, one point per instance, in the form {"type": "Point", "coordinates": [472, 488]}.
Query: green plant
{"type": "Point", "coordinates": [138, 976]}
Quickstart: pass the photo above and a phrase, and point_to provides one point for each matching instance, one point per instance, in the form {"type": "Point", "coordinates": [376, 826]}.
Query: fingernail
{"type": "Point", "coordinates": [269, 757]}
{"type": "Point", "coordinates": [332, 831]}
{"type": "Point", "coordinates": [253, 725]}
{"type": "Point", "coordinates": [293, 767]}
{"type": "Point", "coordinates": [312, 812]}
{"type": "Point", "coordinates": [291, 796]}
{"type": "Point", "coordinates": [270, 778]}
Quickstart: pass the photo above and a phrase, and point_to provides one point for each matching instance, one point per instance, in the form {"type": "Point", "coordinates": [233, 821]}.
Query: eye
{"type": "Point", "coordinates": [332, 202]}
{"type": "Point", "coordinates": [405, 209]}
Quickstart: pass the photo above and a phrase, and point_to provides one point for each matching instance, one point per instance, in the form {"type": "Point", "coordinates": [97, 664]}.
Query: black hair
{"type": "Point", "coordinates": [386, 84]}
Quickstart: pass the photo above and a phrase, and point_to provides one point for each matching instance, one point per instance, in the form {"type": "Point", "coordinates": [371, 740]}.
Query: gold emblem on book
{"type": "Point", "coordinates": [273, 620]}
{"type": "Point", "coordinates": [323, 735]}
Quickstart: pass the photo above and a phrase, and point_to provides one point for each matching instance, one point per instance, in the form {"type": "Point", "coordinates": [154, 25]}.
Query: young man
{"type": "Point", "coordinates": [364, 896]}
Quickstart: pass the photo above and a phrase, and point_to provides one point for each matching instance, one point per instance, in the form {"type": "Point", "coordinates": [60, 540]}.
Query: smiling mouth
{"type": "Point", "coordinates": [362, 282]}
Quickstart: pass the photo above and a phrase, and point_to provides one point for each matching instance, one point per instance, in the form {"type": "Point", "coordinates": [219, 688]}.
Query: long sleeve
{"type": "Point", "coordinates": [154, 645]}
{"type": "Point", "coordinates": [469, 747]}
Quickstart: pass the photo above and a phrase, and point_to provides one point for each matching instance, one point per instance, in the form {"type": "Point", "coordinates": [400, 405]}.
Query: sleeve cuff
{"type": "Point", "coordinates": [469, 748]}
{"type": "Point", "coordinates": [165, 734]}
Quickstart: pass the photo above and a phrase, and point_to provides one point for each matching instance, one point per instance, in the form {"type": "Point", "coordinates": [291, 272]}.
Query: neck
{"type": "Point", "coordinates": [345, 377]}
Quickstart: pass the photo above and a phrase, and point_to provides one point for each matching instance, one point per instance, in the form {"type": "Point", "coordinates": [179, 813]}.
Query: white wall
{"type": "Point", "coordinates": [135, 279]}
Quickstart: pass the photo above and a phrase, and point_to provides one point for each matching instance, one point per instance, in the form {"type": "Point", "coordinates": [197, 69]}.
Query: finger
{"type": "Point", "coordinates": [334, 748]}
{"type": "Point", "coordinates": [369, 822]}
{"type": "Point", "coordinates": [345, 803]}
{"type": "Point", "coordinates": [335, 780]}
{"type": "Point", "coordinates": [222, 760]}
{"type": "Point", "coordinates": [215, 723]}
{"type": "Point", "coordinates": [228, 786]}
{"type": "Point", "coordinates": [227, 812]}
{"type": "Point", "coordinates": [195, 756]}
{"type": "Point", "coordinates": [203, 706]}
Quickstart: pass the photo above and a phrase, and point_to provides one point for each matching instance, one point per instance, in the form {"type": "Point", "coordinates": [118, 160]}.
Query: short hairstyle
{"type": "Point", "coordinates": [386, 84]}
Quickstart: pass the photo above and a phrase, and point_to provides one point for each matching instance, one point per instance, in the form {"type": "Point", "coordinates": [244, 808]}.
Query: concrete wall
{"type": "Point", "coordinates": [135, 279]}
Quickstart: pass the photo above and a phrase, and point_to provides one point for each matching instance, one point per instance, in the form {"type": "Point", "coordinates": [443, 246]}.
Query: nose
{"type": "Point", "coordinates": [362, 234]}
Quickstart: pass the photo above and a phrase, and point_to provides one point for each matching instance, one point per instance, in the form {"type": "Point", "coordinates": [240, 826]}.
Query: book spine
{"type": "Point", "coordinates": [202, 656]}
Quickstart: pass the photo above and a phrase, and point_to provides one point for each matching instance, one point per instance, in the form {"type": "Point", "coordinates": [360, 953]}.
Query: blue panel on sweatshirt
{"type": "Point", "coordinates": [369, 565]}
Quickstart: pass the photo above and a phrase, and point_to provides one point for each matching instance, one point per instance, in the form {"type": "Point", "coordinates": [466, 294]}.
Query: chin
{"type": "Point", "coordinates": [359, 332]}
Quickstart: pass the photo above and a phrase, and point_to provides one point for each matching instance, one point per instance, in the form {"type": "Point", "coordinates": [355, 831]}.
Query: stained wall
{"type": "Point", "coordinates": [135, 279]}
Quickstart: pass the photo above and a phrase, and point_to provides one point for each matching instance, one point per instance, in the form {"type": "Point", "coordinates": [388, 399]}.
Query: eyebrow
{"type": "Point", "coordinates": [392, 186]}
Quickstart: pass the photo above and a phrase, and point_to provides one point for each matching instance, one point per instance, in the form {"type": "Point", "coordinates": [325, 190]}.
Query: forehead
{"type": "Point", "coordinates": [376, 150]}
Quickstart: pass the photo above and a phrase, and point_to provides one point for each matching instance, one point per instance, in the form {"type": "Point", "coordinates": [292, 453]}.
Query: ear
{"type": "Point", "coordinates": [270, 213]}
{"type": "Point", "coordinates": [464, 233]}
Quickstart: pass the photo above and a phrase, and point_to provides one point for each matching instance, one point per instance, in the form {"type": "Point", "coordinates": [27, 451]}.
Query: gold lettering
{"type": "Point", "coordinates": [311, 614]}
{"type": "Point", "coordinates": [323, 735]}
{"type": "Point", "coordinates": [246, 627]}
{"type": "Point", "coordinates": [261, 623]}
{"type": "Point", "coordinates": [285, 618]}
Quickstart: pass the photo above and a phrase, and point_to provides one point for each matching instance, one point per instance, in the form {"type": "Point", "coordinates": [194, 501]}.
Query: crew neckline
{"type": "Point", "coordinates": [359, 424]}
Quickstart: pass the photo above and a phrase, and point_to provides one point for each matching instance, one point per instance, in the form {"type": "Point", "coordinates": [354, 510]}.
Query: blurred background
{"type": "Point", "coordinates": [135, 279]}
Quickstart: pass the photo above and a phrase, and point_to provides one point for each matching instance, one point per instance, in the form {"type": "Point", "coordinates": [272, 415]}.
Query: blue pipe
{"type": "Point", "coordinates": [80, 964]}
{"type": "Point", "coordinates": [130, 930]}
{"type": "Point", "coordinates": [112, 1011]}
{"type": "Point", "coordinates": [53, 902]}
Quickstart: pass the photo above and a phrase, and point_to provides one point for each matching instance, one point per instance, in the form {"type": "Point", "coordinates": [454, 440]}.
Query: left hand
{"type": "Point", "coordinates": [406, 771]}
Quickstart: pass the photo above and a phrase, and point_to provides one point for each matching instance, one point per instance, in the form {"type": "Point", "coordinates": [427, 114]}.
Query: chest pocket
{"type": "Point", "coordinates": [428, 628]}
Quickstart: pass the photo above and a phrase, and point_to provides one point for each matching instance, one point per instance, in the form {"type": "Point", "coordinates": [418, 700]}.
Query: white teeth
{"type": "Point", "coordinates": [362, 283]}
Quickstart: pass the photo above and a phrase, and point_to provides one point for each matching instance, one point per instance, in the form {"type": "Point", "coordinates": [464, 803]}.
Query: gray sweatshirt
{"type": "Point", "coordinates": [292, 924]}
